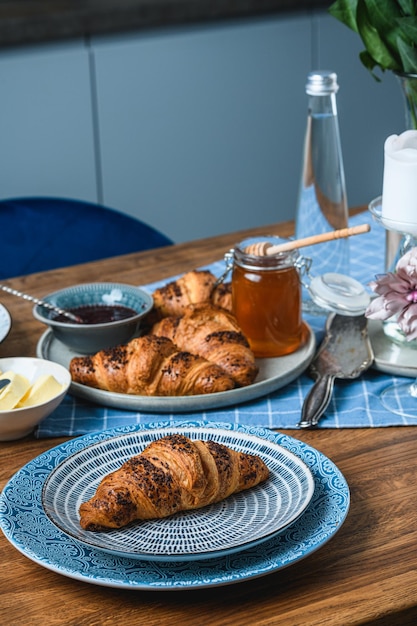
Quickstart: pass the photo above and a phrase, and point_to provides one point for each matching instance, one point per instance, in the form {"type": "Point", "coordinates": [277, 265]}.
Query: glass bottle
{"type": "Point", "coordinates": [322, 202]}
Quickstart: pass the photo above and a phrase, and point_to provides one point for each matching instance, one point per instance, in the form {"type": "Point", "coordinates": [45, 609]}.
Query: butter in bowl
{"type": "Point", "coordinates": [36, 387]}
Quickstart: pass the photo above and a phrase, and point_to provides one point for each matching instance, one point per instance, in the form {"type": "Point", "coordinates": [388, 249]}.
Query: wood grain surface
{"type": "Point", "coordinates": [366, 574]}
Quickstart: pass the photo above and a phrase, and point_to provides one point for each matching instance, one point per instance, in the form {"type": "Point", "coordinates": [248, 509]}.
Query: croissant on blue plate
{"type": "Point", "coordinates": [172, 474]}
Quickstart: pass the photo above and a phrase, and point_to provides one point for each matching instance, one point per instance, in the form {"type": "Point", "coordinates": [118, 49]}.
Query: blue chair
{"type": "Point", "coordinates": [39, 234]}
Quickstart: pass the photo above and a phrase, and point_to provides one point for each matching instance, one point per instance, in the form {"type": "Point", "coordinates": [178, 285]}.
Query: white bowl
{"type": "Point", "coordinates": [17, 423]}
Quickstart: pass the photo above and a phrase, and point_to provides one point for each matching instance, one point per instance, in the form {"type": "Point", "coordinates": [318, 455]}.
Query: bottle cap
{"type": "Point", "coordinates": [321, 83]}
{"type": "Point", "coordinates": [339, 293]}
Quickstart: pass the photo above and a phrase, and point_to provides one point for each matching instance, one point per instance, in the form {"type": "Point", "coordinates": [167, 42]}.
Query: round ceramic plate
{"type": "Point", "coordinates": [241, 521]}
{"type": "Point", "coordinates": [5, 322]}
{"type": "Point", "coordinates": [273, 374]}
{"type": "Point", "coordinates": [389, 357]}
{"type": "Point", "coordinates": [30, 531]}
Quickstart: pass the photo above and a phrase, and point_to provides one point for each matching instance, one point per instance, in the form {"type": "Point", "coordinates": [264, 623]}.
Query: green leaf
{"type": "Point", "coordinates": [369, 63]}
{"type": "Point", "coordinates": [388, 29]}
{"type": "Point", "coordinates": [375, 46]}
{"type": "Point", "coordinates": [345, 12]}
{"type": "Point", "coordinates": [408, 7]}
{"type": "Point", "coordinates": [408, 56]}
{"type": "Point", "coordinates": [408, 26]}
{"type": "Point", "coordinates": [383, 14]}
{"type": "Point", "coordinates": [383, 17]}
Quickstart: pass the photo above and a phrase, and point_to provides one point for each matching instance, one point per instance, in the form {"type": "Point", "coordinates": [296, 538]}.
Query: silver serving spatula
{"type": "Point", "coordinates": [345, 352]}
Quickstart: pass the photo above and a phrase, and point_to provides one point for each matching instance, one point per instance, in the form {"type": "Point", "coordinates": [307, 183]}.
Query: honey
{"type": "Point", "coordinates": [266, 294]}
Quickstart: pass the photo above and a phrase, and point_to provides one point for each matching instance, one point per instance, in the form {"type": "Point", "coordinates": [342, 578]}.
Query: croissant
{"type": "Point", "coordinates": [192, 288]}
{"type": "Point", "coordinates": [172, 474]}
{"type": "Point", "coordinates": [215, 335]}
{"type": "Point", "coordinates": [150, 366]}
{"type": "Point", "coordinates": [222, 296]}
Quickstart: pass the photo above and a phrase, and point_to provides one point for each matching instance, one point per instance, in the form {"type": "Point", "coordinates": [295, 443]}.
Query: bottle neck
{"type": "Point", "coordinates": [322, 105]}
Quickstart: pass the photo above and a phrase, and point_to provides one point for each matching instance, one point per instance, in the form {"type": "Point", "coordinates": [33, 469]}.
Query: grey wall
{"type": "Point", "coordinates": [198, 131]}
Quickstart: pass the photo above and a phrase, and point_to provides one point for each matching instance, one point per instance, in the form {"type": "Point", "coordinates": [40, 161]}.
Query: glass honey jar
{"type": "Point", "coordinates": [266, 296]}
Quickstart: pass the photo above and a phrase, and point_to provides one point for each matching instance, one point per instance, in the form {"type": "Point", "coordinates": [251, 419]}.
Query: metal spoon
{"type": "Point", "coordinates": [47, 305]}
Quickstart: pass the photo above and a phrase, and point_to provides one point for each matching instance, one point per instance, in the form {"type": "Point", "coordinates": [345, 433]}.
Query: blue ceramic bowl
{"type": "Point", "coordinates": [92, 337]}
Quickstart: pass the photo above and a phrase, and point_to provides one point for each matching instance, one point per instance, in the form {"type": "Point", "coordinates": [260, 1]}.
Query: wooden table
{"type": "Point", "coordinates": [366, 574]}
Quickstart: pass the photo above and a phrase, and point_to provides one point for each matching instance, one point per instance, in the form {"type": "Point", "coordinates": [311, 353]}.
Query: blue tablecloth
{"type": "Point", "coordinates": [354, 404]}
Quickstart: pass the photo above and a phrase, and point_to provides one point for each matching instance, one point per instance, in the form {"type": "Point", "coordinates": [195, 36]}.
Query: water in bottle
{"type": "Point", "coordinates": [322, 202]}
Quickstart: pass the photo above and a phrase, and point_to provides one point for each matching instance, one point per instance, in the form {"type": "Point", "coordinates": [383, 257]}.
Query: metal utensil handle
{"type": "Point", "coordinates": [263, 247]}
{"type": "Point", "coordinates": [316, 401]}
{"type": "Point", "coordinates": [51, 307]}
{"type": "Point", "coordinates": [4, 382]}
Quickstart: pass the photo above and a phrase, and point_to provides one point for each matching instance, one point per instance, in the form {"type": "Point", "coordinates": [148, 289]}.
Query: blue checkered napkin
{"type": "Point", "coordinates": [354, 404]}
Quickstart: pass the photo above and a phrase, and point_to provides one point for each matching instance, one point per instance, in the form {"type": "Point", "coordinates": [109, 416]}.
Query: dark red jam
{"type": "Point", "coordinates": [98, 314]}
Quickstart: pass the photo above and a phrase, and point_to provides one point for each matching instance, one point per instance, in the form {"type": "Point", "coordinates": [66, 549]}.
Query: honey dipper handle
{"type": "Point", "coordinates": [310, 241]}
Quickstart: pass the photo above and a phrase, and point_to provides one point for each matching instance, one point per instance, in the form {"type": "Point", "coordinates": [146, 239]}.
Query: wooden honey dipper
{"type": "Point", "coordinates": [263, 248]}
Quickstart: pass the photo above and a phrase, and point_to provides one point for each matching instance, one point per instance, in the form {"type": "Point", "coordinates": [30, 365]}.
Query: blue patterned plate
{"type": "Point", "coordinates": [241, 521]}
{"type": "Point", "coordinates": [27, 527]}
{"type": "Point", "coordinates": [5, 322]}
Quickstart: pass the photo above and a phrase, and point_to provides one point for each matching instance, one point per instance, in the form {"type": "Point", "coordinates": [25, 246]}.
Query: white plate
{"type": "Point", "coordinates": [241, 521]}
{"type": "Point", "coordinates": [5, 322]}
{"type": "Point", "coordinates": [390, 357]}
{"type": "Point", "coordinates": [29, 530]}
{"type": "Point", "coordinates": [274, 373]}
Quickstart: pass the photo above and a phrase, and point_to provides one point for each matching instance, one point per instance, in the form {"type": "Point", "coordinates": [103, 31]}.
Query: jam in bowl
{"type": "Point", "coordinates": [97, 313]}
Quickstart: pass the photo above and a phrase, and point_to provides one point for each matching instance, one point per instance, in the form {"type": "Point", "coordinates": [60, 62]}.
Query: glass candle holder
{"type": "Point", "coordinates": [396, 245]}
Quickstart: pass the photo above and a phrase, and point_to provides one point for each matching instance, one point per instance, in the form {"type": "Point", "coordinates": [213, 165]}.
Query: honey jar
{"type": "Point", "coordinates": [266, 296]}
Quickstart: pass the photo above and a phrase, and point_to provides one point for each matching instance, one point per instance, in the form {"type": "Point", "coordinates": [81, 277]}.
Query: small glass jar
{"type": "Point", "coordinates": [266, 296]}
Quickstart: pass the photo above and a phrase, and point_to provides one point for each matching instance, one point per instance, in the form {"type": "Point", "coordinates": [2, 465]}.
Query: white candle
{"type": "Point", "coordinates": [399, 191]}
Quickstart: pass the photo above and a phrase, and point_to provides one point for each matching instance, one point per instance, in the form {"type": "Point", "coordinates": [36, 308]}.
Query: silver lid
{"type": "Point", "coordinates": [321, 83]}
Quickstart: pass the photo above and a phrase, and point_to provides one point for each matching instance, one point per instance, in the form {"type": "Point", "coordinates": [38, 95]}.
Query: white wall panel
{"type": "Point", "coordinates": [46, 137]}
{"type": "Point", "coordinates": [201, 129]}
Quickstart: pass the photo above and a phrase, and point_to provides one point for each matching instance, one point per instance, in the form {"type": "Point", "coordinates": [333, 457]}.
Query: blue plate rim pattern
{"type": "Point", "coordinates": [28, 529]}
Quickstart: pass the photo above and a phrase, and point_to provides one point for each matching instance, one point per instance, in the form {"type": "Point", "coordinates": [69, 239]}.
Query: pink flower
{"type": "Point", "coordinates": [397, 295]}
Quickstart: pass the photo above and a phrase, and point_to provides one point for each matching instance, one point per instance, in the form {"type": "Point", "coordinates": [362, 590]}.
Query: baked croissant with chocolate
{"type": "Point", "coordinates": [215, 335]}
{"type": "Point", "coordinates": [222, 296]}
{"type": "Point", "coordinates": [150, 366]}
{"type": "Point", "coordinates": [193, 287]}
{"type": "Point", "coordinates": [172, 474]}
